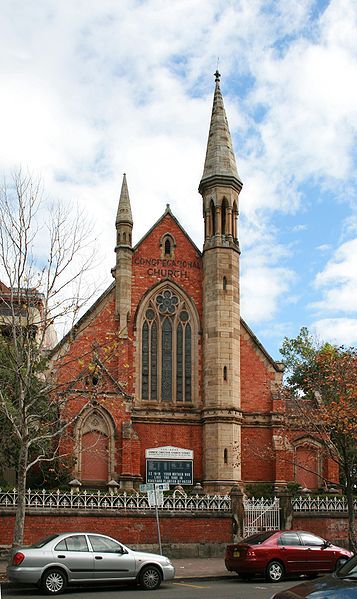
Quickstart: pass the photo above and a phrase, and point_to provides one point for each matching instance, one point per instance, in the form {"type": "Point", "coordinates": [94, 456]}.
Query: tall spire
{"type": "Point", "coordinates": [124, 209]}
{"type": "Point", "coordinates": [220, 163]}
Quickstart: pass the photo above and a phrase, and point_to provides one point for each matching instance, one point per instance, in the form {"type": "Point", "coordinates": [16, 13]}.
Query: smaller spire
{"type": "Point", "coordinates": [124, 209]}
{"type": "Point", "coordinates": [217, 76]}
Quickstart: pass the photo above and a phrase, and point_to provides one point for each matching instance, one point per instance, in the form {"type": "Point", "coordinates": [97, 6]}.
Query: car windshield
{"type": "Point", "coordinates": [258, 538]}
{"type": "Point", "coordinates": [43, 542]}
{"type": "Point", "coordinates": [349, 569]}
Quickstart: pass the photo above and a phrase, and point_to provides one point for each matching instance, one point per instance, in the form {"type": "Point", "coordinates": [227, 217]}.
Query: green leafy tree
{"type": "Point", "coordinates": [322, 392]}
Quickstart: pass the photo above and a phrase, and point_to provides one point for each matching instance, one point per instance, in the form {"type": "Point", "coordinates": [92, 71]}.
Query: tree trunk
{"type": "Point", "coordinates": [21, 496]}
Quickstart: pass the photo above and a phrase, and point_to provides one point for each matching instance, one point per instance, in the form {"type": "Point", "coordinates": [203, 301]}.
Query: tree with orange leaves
{"type": "Point", "coordinates": [322, 389]}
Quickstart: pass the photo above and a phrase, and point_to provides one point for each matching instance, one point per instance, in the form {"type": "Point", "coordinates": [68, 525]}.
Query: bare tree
{"type": "Point", "coordinates": [44, 257]}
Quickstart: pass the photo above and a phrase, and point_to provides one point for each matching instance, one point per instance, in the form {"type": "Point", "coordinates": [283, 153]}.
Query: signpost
{"type": "Point", "coordinates": [156, 499]}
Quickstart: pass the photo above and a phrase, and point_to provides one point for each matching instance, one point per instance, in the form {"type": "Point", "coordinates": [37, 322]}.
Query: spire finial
{"type": "Point", "coordinates": [217, 75]}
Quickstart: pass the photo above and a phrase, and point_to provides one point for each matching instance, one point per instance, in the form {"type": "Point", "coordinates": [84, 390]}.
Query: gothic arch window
{"type": "Point", "coordinates": [234, 220]}
{"type": "Point", "coordinates": [167, 244]}
{"type": "Point", "coordinates": [168, 347]}
{"type": "Point", "coordinates": [213, 217]}
{"type": "Point", "coordinates": [224, 217]}
{"type": "Point", "coordinates": [95, 440]}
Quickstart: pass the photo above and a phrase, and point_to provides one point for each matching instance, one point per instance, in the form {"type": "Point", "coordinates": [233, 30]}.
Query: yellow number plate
{"type": "Point", "coordinates": [236, 553]}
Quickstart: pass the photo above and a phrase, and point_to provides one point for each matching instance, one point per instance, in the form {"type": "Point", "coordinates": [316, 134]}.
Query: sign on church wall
{"type": "Point", "coordinates": [169, 464]}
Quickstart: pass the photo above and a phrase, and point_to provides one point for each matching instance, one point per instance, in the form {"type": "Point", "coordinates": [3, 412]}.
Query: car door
{"type": "Point", "coordinates": [73, 552]}
{"type": "Point", "coordinates": [110, 559]}
{"type": "Point", "coordinates": [291, 551]}
{"type": "Point", "coordinates": [320, 557]}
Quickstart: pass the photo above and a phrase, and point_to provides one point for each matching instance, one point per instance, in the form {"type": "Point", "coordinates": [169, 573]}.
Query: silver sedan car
{"type": "Point", "coordinates": [71, 558]}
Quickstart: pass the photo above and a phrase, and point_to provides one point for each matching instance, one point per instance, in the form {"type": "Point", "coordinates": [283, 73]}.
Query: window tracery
{"type": "Point", "coordinates": [167, 349]}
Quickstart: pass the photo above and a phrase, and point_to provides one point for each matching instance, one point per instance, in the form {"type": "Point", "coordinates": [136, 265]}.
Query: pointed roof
{"type": "Point", "coordinates": [124, 209]}
{"type": "Point", "coordinates": [220, 163]}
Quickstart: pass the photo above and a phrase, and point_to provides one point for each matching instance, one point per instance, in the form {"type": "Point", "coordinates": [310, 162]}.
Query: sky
{"type": "Point", "coordinates": [90, 90]}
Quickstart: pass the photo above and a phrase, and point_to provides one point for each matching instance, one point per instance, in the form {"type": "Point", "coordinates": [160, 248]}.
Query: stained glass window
{"type": "Point", "coordinates": [166, 349]}
{"type": "Point", "coordinates": [166, 361]}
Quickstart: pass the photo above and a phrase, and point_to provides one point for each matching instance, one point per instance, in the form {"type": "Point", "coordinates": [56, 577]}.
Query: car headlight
{"type": "Point", "coordinates": [166, 561]}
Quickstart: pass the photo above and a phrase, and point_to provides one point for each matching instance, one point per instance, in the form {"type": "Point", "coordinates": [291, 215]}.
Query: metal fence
{"type": "Point", "coordinates": [260, 515]}
{"type": "Point", "coordinates": [177, 502]}
{"type": "Point", "coordinates": [310, 503]}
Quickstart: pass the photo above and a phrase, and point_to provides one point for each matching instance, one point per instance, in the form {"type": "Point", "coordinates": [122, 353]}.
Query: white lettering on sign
{"type": "Point", "coordinates": [169, 452]}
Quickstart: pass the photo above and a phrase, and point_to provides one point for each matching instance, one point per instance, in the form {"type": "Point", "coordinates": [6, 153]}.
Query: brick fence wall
{"type": "Point", "coordinates": [333, 527]}
{"type": "Point", "coordinates": [186, 534]}
{"type": "Point", "coordinates": [181, 535]}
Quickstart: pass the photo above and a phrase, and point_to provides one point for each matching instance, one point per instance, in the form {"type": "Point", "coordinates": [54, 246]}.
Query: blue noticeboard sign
{"type": "Point", "coordinates": [174, 472]}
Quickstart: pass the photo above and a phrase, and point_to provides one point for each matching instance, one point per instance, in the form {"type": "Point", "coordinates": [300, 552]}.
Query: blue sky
{"type": "Point", "coordinates": [91, 89]}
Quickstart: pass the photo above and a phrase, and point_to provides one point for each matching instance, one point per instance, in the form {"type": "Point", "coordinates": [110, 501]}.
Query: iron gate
{"type": "Point", "coordinates": [261, 514]}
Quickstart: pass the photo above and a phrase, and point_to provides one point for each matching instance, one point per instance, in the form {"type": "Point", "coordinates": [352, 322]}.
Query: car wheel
{"type": "Point", "coordinates": [54, 581]}
{"type": "Point", "coordinates": [275, 571]}
{"type": "Point", "coordinates": [150, 578]}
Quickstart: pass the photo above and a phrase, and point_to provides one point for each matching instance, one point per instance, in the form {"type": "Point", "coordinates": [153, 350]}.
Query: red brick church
{"type": "Point", "coordinates": [168, 381]}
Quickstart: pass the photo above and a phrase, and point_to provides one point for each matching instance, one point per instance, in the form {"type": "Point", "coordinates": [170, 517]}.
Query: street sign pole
{"type": "Point", "coordinates": [157, 521]}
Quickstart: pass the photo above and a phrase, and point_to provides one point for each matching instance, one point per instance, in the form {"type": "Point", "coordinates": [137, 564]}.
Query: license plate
{"type": "Point", "coordinates": [236, 553]}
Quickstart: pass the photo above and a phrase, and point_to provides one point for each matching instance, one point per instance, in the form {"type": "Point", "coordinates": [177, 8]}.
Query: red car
{"type": "Point", "coordinates": [275, 554]}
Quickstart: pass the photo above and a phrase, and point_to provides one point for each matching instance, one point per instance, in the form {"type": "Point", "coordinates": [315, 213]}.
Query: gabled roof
{"type": "Point", "coordinates": [278, 366]}
{"type": "Point", "coordinates": [168, 211]}
{"type": "Point", "coordinates": [76, 327]}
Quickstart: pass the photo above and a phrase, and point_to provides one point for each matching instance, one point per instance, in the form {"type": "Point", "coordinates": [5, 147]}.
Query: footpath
{"type": "Point", "coordinates": [186, 568]}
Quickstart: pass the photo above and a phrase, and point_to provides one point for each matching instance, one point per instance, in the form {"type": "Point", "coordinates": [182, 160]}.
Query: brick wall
{"type": "Point", "coordinates": [130, 529]}
{"type": "Point", "coordinates": [331, 527]}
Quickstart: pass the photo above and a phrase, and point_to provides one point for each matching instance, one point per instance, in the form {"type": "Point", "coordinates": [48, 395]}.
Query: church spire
{"type": "Point", "coordinates": [220, 163]}
{"type": "Point", "coordinates": [124, 209]}
{"type": "Point", "coordinates": [123, 268]}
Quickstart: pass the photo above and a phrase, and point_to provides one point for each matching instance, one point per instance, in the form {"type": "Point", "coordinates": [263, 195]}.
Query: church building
{"type": "Point", "coordinates": [167, 380]}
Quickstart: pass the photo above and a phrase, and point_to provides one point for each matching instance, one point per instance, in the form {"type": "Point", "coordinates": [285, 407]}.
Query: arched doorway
{"type": "Point", "coordinates": [96, 447]}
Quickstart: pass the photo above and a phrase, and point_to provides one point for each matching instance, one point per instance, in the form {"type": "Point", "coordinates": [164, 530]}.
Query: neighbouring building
{"type": "Point", "coordinates": [163, 372]}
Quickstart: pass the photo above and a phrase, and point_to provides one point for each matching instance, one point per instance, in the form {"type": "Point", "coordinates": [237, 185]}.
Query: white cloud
{"type": "Point", "coordinates": [91, 89]}
{"type": "Point", "coordinates": [338, 281]}
{"type": "Point", "coordinates": [341, 331]}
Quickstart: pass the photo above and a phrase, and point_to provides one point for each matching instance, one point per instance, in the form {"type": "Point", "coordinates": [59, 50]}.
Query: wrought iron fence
{"type": "Point", "coordinates": [310, 503]}
{"type": "Point", "coordinates": [177, 502]}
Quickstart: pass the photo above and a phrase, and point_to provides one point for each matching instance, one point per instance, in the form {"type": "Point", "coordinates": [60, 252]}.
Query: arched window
{"type": "Point", "coordinates": [213, 217]}
{"type": "Point", "coordinates": [167, 350]}
{"type": "Point", "coordinates": [225, 456]}
{"type": "Point", "coordinates": [225, 375]}
{"type": "Point", "coordinates": [167, 245]}
{"type": "Point", "coordinates": [224, 217]}
{"type": "Point", "coordinates": [234, 220]}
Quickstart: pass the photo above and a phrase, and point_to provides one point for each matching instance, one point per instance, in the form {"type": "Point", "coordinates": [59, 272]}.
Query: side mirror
{"type": "Point", "coordinates": [326, 544]}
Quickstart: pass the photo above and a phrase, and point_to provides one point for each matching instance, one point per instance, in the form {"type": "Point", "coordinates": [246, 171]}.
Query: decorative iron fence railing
{"type": "Point", "coordinates": [321, 504]}
{"type": "Point", "coordinates": [178, 501]}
